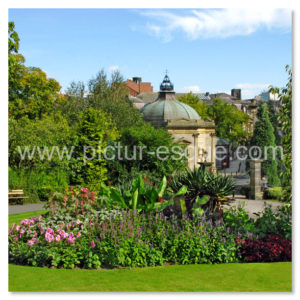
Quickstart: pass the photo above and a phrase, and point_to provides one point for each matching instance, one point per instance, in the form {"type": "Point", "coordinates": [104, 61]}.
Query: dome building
{"type": "Point", "coordinates": [184, 123]}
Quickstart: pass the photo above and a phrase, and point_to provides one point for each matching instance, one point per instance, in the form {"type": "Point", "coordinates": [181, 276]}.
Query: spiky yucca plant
{"type": "Point", "coordinates": [199, 183]}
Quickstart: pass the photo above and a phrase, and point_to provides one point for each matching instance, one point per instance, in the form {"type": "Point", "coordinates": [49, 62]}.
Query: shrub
{"type": "Point", "coordinates": [38, 184]}
{"type": "Point", "coordinates": [88, 164]}
{"type": "Point", "coordinates": [269, 222]}
{"type": "Point", "coordinates": [273, 193]}
{"type": "Point", "coordinates": [199, 183]}
{"type": "Point", "coordinates": [269, 249]}
{"type": "Point", "coordinates": [145, 135]}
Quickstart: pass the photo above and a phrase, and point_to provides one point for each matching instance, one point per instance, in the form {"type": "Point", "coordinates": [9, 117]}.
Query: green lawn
{"type": "Point", "coordinates": [255, 277]}
{"type": "Point", "coordinates": [16, 218]}
{"type": "Point", "coordinates": [263, 277]}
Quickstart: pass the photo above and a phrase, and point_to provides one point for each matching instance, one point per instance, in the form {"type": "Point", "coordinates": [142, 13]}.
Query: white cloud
{"type": "Point", "coordinates": [113, 68]}
{"type": "Point", "coordinates": [192, 88]}
{"type": "Point", "coordinates": [217, 23]}
{"type": "Point", "coordinates": [250, 90]}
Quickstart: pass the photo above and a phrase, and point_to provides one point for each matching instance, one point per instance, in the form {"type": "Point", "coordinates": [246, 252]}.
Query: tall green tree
{"type": "Point", "coordinates": [88, 164]}
{"type": "Point", "coordinates": [263, 137]}
{"type": "Point", "coordinates": [285, 119]}
{"type": "Point", "coordinates": [231, 124]}
{"type": "Point", "coordinates": [273, 115]}
{"type": "Point", "coordinates": [30, 92]}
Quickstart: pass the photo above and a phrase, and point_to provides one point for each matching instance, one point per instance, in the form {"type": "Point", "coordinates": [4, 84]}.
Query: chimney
{"type": "Point", "coordinates": [137, 80]}
{"type": "Point", "coordinates": [236, 93]}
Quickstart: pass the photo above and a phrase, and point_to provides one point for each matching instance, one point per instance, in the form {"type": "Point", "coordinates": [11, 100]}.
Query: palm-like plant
{"type": "Point", "coordinates": [201, 183]}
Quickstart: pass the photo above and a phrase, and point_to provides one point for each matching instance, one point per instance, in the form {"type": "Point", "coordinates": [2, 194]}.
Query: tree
{"type": "Point", "coordinates": [195, 102]}
{"type": "Point", "coordinates": [51, 131]}
{"type": "Point", "coordinates": [263, 136]}
{"type": "Point", "coordinates": [111, 96]}
{"type": "Point", "coordinates": [273, 115]}
{"type": "Point", "coordinates": [30, 92]}
{"type": "Point", "coordinates": [145, 135]}
{"type": "Point", "coordinates": [88, 163]}
{"type": "Point", "coordinates": [285, 119]}
{"type": "Point", "coordinates": [231, 124]}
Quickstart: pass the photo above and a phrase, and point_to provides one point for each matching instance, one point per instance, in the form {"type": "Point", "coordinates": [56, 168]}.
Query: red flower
{"type": "Point", "coordinates": [161, 199]}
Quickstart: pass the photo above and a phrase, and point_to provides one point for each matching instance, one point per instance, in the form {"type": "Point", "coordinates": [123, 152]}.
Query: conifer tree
{"type": "Point", "coordinates": [264, 138]}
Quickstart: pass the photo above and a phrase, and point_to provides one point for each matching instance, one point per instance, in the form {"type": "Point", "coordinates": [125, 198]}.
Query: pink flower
{"type": "Point", "coordinates": [12, 228]}
{"type": "Point", "coordinates": [35, 234]}
{"type": "Point", "coordinates": [85, 190]}
{"type": "Point", "coordinates": [22, 231]}
{"type": "Point", "coordinates": [78, 234]}
{"type": "Point", "coordinates": [35, 240]}
{"type": "Point", "coordinates": [18, 227]}
{"type": "Point", "coordinates": [71, 239]}
{"type": "Point", "coordinates": [57, 238]}
{"type": "Point", "coordinates": [78, 222]}
{"type": "Point", "coordinates": [71, 188]}
{"type": "Point", "coordinates": [40, 218]}
{"type": "Point", "coordinates": [71, 234]}
{"type": "Point", "coordinates": [42, 230]}
{"type": "Point", "coordinates": [49, 237]}
{"type": "Point", "coordinates": [16, 238]}
{"type": "Point", "coordinates": [30, 243]}
{"type": "Point", "coordinates": [93, 244]}
{"type": "Point", "coordinates": [31, 221]}
{"type": "Point", "coordinates": [49, 230]}
{"type": "Point", "coordinates": [24, 222]}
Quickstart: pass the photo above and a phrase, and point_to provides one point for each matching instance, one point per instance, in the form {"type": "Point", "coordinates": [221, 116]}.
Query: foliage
{"type": "Point", "coordinates": [88, 164]}
{"type": "Point", "coordinates": [195, 102]}
{"type": "Point", "coordinates": [41, 137]}
{"type": "Point", "coordinates": [263, 136]}
{"type": "Point", "coordinates": [269, 249]}
{"type": "Point", "coordinates": [38, 184]}
{"type": "Point", "coordinates": [199, 183]}
{"type": "Point", "coordinates": [273, 116]}
{"type": "Point", "coordinates": [137, 147]}
{"type": "Point", "coordinates": [269, 222]}
{"type": "Point", "coordinates": [231, 124]}
{"type": "Point", "coordinates": [273, 193]}
{"type": "Point", "coordinates": [30, 92]}
{"type": "Point", "coordinates": [239, 221]}
{"type": "Point", "coordinates": [285, 119]}
{"type": "Point", "coordinates": [266, 223]}
{"type": "Point", "coordinates": [127, 240]}
{"type": "Point", "coordinates": [142, 197]}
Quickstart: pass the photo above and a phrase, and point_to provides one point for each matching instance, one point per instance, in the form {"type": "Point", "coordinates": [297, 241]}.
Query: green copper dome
{"type": "Point", "coordinates": [167, 108]}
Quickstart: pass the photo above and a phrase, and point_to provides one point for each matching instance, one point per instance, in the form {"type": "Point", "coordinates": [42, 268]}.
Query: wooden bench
{"type": "Point", "coordinates": [16, 196]}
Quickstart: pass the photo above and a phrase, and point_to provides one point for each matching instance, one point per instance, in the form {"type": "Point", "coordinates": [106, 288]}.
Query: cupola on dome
{"type": "Point", "coordinates": [166, 107]}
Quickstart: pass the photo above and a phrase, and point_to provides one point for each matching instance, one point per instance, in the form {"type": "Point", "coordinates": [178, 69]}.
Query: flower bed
{"type": "Point", "coordinates": [78, 233]}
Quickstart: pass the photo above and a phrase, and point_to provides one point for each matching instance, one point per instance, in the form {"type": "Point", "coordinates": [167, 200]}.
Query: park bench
{"type": "Point", "coordinates": [16, 196]}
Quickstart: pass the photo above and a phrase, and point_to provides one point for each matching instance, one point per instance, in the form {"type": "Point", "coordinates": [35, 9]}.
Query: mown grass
{"type": "Point", "coordinates": [246, 277]}
{"type": "Point", "coordinates": [16, 218]}
{"type": "Point", "coordinates": [254, 277]}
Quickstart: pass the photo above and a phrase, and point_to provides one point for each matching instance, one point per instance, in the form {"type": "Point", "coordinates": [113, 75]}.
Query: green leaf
{"type": "Point", "coordinates": [162, 186]}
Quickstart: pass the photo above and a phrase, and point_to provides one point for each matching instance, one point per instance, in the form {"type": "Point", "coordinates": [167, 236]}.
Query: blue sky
{"type": "Point", "coordinates": [203, 50]}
